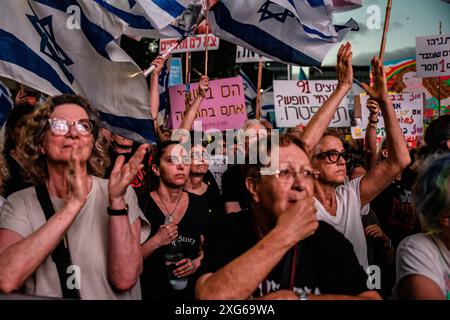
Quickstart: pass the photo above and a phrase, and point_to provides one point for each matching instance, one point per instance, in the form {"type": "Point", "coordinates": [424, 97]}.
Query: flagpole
{"type": "Point", "coordinates": [206, 38]}
{"type": "Point", "coordinates": [385, 29]}
{"type": "Point", "coordinates": [193, 29]}
{"type": "Point", "coordinates": [258, 90]}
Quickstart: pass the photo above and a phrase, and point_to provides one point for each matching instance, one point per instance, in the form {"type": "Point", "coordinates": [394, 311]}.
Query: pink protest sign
{"type": "Point", "coordinates": [223, 107]}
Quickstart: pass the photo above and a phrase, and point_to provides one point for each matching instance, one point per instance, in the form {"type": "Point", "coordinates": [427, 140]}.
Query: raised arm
{"type": "Point", "coordinates": [370, 141]}
{"type": "Point", "coordinates": [380, 176]}
{"type": "Point", "coordinates": [189, 115]}
{"type": "Point", "coordinates": [320, 121]}
{"type": "Point", "coordinates": [124, 251]}
{"type": "Point", "coordinates": [154, 86]}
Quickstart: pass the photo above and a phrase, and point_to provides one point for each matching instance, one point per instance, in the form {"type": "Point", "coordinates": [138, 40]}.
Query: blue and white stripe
{"type": "Point", "coordinates": [95, 66]}
{"type": "Point", "coordinates": [303, 38]}
{"type": "Point", "coordinates": [6, 103]}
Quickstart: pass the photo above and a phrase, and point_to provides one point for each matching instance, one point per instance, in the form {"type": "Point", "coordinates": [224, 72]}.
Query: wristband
{"type": "Point", "coordinates": [372, 121]}
{"type": "Point", "coordinates": [121, 212]}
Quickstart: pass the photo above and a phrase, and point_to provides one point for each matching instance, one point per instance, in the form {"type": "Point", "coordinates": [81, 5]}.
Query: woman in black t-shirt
{"type": "Point", "coordinates": [175, 216]}
{"type": "Point", "coordinates": [196, 183]}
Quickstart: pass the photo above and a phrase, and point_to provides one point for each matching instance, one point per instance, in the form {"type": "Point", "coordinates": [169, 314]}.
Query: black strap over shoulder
{"type": "Point", "coordinates": [61, 254]}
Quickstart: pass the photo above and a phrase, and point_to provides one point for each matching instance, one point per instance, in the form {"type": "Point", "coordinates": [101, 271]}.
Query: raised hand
{"type": "Point", "coordinates": [374, 108]}
{"type": "Point", "coordinates": [344, 66]}
{"type": "Point", "coordinates": [203, 85]}
{"type": "Point", "coordinates": [378, 91]}
{"type": "Point", "coordinates": [159, 64]}
{"type": "Point", "coordinates": [76, 186]}
{"type": "Point", "coordinates": [122, 175]}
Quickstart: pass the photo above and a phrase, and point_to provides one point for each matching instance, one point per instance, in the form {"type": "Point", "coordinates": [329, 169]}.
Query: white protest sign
{"type": "Point", "coordinates": [433, 55]}
{"type": "Point", "coordinates": [409, 109]}
{"type": "Point", "coordinates": [190, 44]}
{"type": "Point", "coordinates": [217, 166]}
{"type": "Point", "coordinates": [296, 102]}
{"type": "Point", "coordinates": [244, 55]}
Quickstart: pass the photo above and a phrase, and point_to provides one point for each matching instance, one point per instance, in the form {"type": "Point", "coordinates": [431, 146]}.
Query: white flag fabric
{"type": "Point", "coordinates": [69, 46]}
{"type": "Point", "coordinates": [274, 30]}
{"type": "Point", "coordinates": [147, 18]}
{"type": "Point", "coordinates": [6, 103]}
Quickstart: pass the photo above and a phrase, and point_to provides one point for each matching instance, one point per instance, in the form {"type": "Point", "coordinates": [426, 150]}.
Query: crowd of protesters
{"type": "Point", "coordinates": [88, 213]}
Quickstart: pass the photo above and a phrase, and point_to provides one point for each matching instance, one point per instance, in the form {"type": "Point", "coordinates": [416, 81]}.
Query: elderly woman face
{"type": "Point", "coordinates": [293, 182]}
{"type": "Point", "coordinates": [69, 128]}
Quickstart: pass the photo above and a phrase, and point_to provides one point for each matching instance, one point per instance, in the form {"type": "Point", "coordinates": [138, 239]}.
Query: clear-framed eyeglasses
{"type": "Point", "coordinates": [60, 127]}
{"type": "Point", "coordinates": [288, 175]}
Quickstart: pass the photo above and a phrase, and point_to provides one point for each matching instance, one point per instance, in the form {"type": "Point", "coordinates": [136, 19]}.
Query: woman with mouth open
{"type": "Point", "coordinates": [175, 216]}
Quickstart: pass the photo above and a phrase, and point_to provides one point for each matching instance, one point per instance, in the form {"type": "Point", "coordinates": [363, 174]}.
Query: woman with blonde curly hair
{"type": "Point", "coordinates": [73, 235]}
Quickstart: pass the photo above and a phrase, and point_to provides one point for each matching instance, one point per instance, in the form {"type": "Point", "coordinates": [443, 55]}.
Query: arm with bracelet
{"type": "Point", "coordinates": [370, 141]}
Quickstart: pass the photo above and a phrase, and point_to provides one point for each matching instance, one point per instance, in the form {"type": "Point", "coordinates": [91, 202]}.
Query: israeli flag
{"type": "Point", "coordinates": [146, 18]}
{"type": "Point", "coordinates": [6, 103]}
{"type": "Point", "coordinates": [70, 46]}
{"type": "Point", "coordinates": [297, 32]}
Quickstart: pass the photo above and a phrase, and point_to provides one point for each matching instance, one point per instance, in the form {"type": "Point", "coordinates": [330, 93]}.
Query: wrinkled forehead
{"type": "Point", "coordinates": [69, 111]}
{"type": "Point", "coordinates": [330, 143]}
{"type": "Point", "coordinates": [292, 155]}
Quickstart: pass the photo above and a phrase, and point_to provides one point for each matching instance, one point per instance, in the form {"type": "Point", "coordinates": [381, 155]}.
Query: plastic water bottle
{"type": "Point", "coordinates": [173, 254]}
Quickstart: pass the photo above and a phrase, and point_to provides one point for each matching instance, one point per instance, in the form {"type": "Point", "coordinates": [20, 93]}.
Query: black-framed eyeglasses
{"type": "Point", "coordinates": [60, 127]}
{"type": "Point", "coordinates": [334, 156]}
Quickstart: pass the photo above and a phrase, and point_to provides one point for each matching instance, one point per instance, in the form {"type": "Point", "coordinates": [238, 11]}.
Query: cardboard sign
{"type": "Point", "coordinates": [217, 166]}
{"type": "Point", "coordinates": [296, 102]}
{"type": "Point", "coordinates": [176, 72]}
{"type": "Point", "coordinates": [223, 107]}
{"type": "Point", "coordinates": [409, 109]}
{"type": "Point", "coordinates": [190, 44]}
{"type": "Point", "coordinates": [433, 55]}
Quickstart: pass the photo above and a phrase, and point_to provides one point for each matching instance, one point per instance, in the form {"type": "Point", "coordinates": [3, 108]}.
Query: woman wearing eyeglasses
{"type": "Point", "coordinates": [342, 203]}
{"type": "Point", "coordinates": [74, 235]}
{"type": "Point", "coordinates": [196, 184]}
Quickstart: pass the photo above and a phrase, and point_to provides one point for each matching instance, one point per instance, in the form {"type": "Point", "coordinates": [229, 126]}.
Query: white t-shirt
{"type": "Point", "coordinates": [87, 240]}
{"type": "Point", "coordinates": [348, 217]}
{"type": "Point", "coordinates": [420, 255]}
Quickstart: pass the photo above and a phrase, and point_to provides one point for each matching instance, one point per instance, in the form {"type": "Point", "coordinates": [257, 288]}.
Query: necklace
{"type": "Point", "coordinates": [169, 214]}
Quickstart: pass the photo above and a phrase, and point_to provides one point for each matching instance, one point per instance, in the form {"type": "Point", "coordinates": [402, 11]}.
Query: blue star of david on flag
{"type": "Point", "coordinates": [267, 14]}
{"type": "Point", "coordinates": [48, 45]}
{"type": "Point", "coordinates": [131, 3]}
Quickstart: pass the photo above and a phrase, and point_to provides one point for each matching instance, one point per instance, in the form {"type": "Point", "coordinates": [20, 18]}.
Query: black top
{"type": "Point", "coordinates": [233, 187]}
{"type": "Point", "coordinates": [16, 180]}
{"type": "Point", "coordinates": [154, 278]}
{"type": "Point", "coordinates": [394, 208]}
{"type": "Point", "coordinates": [326, 262]}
